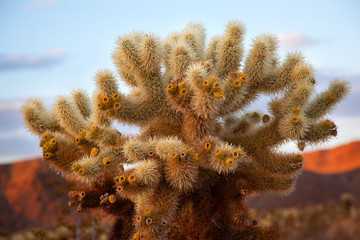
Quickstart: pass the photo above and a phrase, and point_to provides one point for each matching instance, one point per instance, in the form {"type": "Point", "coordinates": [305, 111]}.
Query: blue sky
{"type": "Point", "coordinates": [51, 47]}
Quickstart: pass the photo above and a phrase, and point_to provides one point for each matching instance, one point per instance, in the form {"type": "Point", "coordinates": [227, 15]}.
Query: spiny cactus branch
{"type": "Point", "coordinates": [199, 154]}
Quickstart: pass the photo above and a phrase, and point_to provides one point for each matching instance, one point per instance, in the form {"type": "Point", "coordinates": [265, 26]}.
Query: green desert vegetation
{"type": "Point", "coordinates": [200, 151]}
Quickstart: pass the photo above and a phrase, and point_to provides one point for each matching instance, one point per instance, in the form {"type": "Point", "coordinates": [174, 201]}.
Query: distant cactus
{"type": "Point", "coordinates": [347, 202]}
{"type": "Point", "coordinates": [199, 154]}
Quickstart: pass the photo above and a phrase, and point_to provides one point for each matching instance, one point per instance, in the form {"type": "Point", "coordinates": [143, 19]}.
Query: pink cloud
{"type": "Point", "coordinates": [58, 52]}
{"type": "Point", "coordinates": [11, 105]}
{"type": "Point", "coordinates": [296, 40]}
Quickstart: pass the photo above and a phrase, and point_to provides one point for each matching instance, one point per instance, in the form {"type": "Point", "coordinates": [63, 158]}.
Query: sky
{"type": "Point", "coordinates": [52, 47]}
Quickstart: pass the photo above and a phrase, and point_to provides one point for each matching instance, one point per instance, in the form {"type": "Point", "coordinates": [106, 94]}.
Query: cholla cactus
{"type": "Point", "coordinates": [199, 153]}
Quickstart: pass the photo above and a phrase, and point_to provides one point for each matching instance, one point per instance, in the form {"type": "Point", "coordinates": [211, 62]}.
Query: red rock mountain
{"type": "Point", "coordinates": [32, 195]}
{"type": "Point", "coordinates": [336, 160]}
{"type": "Point", "coordinates": [29, 195]}
{"type": "Point", "coordinates": [313, 188]}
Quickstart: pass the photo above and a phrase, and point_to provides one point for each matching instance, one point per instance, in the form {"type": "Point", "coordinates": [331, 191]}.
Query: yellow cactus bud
{"type": "Point", "coordinates": [93, 132]}
{"type": "Point", "coordinates": [181, 85]}
{"type": "Point", "coordinates": [131, 178]}
{"type": "Point", "coordinates": [46, 147]}
{"type": "Point", "coordinates": [219, 94]}
{"type": "Point", "coordinates": [186, 150]}
{"type": "Point", "coordinates": [296, 110]}
{"type": "Point", "coordinates": [195, 157]}
{"type": "Point", "coordinates": [208, 147]}
{"type": "Point", "coordinates": [326, 124]}
{"type": "Point", "coordinates": [147, 212]}
{"type": "Point", "coordinates": [229, 162]}
{"type": "Point", "coordinates": [171, 88]}
{"type": "Point", "coordinates": [108, 113]}
{"type": "Point", "coordinates": [75, 167]}
{"type": "Point", "coordinates": [115, 97]}
{"type": "Point", "coordinates": [101, 106]}
{"type": "Point", "coordinates": [81, 171]}
{"type": "Point", "coordinates": [213, 79]}
{"type": "Point", "coordinates": [49, 155]}
{"type": "Point", "coordinates": [82, 138]}
{"type": "Point", "coordinates": [112, 198]}
{"type": "Point", "coordinates": [242, 77]}
{"type": "Point", "coordinates": [47, 136]}
{"type": "Point", "coordinates": [219, 154]}
{"type": "Point", "coordinates": [106, 161]}
{"type": "Point", "coordinates": [330, 97]}
{"type": "Point", "coordinates": [137, 235]}
{"type": "Point", "coordinates": [53, 141]}
{"type": "Point", "coordinates": [240, 151]}
{"type": "Point", "coordinates": [50, 146]}
{"type": "Point", "coordinates": [122, 179]}
{"type": "Point", "coordinates": [175, 156]}
{"type": "Point", "coordinates": [42, 142]}
{"type": "Point", "coordinates": [82, 134]}
{"type": "Point", "coordinates": [295, 120]}
{"type": "Point", "coordinates": [94, 152]}
{"type": "Point", "coordinates": [105, 100]}
{"type": "Point", "coordinates": [215, 87]}
{"type": "Point", "coordinates": [183, 92]}
{"type": "Point", "coordinates": [117, 106]}
{"type": "Point", "coordinates": [237, 83]}
{"type": "Point", "coordinates": [205, 84]}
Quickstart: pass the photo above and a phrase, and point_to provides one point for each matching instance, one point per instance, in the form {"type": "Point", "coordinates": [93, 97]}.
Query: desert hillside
{"type": "Point", "coordinates": [29, 195]}
{"type": "Point", "coordinates": [313, 188]}
{"type": "Point", "coordinates": [336, 160]}
{"type": "Point", "coordinates": [32, 195]}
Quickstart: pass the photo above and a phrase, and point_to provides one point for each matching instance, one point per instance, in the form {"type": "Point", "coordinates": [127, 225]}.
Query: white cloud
{"type": "Point", "coordinates": [296, 40]}
{"type": "Point", "coordinates": [20, 133]}
{"type": "Point", "coordinates": [17, 61]}
{"type": "Point", "coordinates": [39, 4]}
